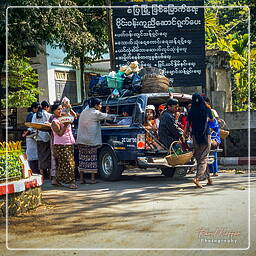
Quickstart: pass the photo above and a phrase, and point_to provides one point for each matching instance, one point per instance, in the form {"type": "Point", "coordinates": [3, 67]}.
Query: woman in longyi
{"type": "Point", "coordinates": [63, 149]}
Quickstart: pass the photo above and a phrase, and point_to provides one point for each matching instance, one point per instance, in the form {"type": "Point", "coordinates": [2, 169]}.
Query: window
{"type": "Point", "coordinates": [123, 113]}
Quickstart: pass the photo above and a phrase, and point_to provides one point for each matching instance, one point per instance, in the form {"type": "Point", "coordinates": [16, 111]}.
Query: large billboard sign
{"type": "Point", "coordinates": [167, 35]}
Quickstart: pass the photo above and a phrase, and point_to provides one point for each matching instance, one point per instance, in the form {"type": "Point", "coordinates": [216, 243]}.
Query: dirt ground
{"type": "Point", "coordinates": [142, 211]}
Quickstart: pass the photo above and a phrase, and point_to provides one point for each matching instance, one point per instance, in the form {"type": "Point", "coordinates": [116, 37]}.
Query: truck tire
{"type": "Point", "coordinates": [168, 171]}
{"type": "Point", "coordinates": [180, 172]}
{"type": "Point", "coordinates": [108, 165]}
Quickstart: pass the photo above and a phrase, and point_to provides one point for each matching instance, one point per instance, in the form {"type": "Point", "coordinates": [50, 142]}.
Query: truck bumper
{"type": "Point", "coordinates": [151, 162]}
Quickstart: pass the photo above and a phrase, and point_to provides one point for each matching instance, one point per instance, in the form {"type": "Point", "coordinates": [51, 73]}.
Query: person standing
{"type": "Point", "coordinates": [198, 117]}
{"type": "Point", "coordinates": [31, 145]}
{"type": "Point", "coordinates": [215, 142]}
{"type": "Point", "coordinates": [53, 160]}
{"type": "Point", "coordinates": [42, 116]}
{"type": "Point", "coordinates": [183, 118]}
{"type": "Point", "coordinates": [89, 138]}
{"type": "Point", "coordinates": [215, 136]}
{"type": "Point", "coordinates": [63, 149]}
{"type": "Point", "coordinates": [208, 104]}
{"type": "Point", "coordinates": [161, 109]}
{"type": "Point", "coordinates": [168, 128]}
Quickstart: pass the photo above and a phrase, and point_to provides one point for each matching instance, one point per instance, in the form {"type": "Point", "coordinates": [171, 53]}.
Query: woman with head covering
{"type": "Point", "coordinates": [63, 148]}
{"type": "Point", "coordinates": [151, 128]}
{"type": "Point", "coordinates": [89, 138]}
{"type": "Point", "coordinates": [31, 145]}
{"type": "Point", "coordinates": [150, 122]}
{"type": "Point", "coordinates": [43, 138]}
{"type": "Point", "coordinates": [198, 117]}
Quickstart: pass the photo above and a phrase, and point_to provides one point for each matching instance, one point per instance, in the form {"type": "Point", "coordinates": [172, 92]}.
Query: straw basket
{"type": "Point", "coordinates": [223, 129]}
{"type": "Point", "coordinates": [41, 127]}
{"type": "Point", "coordinates": [175, 159]}
{"type": "Point", "coordinates": [223, 134]}
{"type": "Point", "coordinates": [154, 83]}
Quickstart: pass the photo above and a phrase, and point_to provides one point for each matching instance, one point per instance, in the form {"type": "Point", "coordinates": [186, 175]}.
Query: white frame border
{"type": "Point", "coordinates": [136, 249]}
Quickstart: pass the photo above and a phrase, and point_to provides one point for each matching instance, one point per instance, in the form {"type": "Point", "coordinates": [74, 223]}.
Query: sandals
{"type": "Point", "coordinates": [196, 182]}
{"type": "Point", "coordinates": [73, 186]}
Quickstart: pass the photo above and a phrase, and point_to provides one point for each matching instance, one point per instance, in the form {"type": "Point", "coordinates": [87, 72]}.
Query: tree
{"type": "Point", "coordinates": [227, 30]}
{"type": "Point", "coordinates": [234, 20]}
{"type": "Point", "coordinates": [90, 39]}
{"type": "Point", "coordinates": [32, 27]}
{"type": "Point", "coordinates": [81, 33]}
{"type": "Point", "coordinates": [22, 80]}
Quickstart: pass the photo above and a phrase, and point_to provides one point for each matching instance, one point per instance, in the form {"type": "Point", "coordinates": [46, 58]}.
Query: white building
{"type": "Point", "coordinates": [57, 79]}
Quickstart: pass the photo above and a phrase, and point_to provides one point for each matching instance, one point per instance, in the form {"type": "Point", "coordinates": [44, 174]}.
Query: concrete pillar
{"type": "Point", "coordinates": [40, 64]}
{"type": "Point", "coordinates": [219, 102]}
{"type": "Point", "coordinates": [223, 83]}
{"type": "Point", "coordinates": [218, 79]}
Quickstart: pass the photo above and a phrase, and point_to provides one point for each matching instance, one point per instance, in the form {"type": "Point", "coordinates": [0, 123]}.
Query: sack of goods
{"type": "Point", "coordinates": [177, 156]}
{"type": "Point", "coordinates": [154, 83]}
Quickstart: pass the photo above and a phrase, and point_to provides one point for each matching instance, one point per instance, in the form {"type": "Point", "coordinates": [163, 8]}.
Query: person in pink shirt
{"type": "Point", "coordinates": [63, 148]}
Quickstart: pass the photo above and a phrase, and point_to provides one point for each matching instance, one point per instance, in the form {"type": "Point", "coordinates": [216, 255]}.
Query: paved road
{"type": "Point", "coordinates": [143, 210]}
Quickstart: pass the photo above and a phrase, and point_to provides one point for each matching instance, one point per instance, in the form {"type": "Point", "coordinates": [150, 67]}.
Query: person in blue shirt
{"type": "Point", "coordinates": [127, 120]}
{"type": "Point", "coordinates": [215, 137]}
{"type": "Point", "coordinates": [32, 110]}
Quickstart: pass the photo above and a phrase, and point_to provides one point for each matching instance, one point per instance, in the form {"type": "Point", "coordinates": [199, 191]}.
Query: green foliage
{"type": "Point", "coordinates": [241, 92]}
{"type": "Point", "coordinates": [227, 30]}
{"type": "Point", "coordinates": [14, 168]}
{"type": "Point", "coordinates": [88, 39]}
{"type": "Point", "coordinates": [22, 82]}
{"type": "Point", "coordinates": [80, 32]}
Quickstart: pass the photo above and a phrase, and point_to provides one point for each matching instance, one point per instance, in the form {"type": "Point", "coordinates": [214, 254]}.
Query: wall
{"type": "Point", "coordinates": [236, 144]}
{"type": "Point", "coordinates": [21, 202]}
{"type": "Point", "coordinates": [39, 63]}
{"type": "Point", "coordinates": [55, 57]}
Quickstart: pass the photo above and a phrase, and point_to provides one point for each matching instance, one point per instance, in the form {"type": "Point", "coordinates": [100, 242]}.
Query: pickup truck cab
{"type": "Point", "coordinates": [124, 145]}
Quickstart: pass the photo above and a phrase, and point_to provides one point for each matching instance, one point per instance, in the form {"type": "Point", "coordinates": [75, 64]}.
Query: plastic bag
{"type": "Point", "coordinates": [136, 83]}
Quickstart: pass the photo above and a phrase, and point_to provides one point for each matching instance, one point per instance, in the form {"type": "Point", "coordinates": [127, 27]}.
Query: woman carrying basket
{"type": "Point", "coordinates": [198, 117]}
{"type": "Point", "coordinates": [63, 149]}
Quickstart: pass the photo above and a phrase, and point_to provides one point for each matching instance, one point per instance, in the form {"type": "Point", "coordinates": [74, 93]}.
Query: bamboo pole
{"type": "Point", "coordinates": [110, 35]}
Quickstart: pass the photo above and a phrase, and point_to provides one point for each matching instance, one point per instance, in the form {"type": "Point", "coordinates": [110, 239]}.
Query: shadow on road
{"type": "Point", "coordinates": [111, 205]}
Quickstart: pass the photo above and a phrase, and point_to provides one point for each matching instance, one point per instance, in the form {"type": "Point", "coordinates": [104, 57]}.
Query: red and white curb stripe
{"type": "Point", "coordinates": [237, 160]}
{"type": "Point", "coordinates": [21, 185]}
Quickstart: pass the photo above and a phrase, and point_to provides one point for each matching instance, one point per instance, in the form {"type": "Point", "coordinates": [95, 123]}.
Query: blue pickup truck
{"type": "Point", "coordinates": [124, 146]}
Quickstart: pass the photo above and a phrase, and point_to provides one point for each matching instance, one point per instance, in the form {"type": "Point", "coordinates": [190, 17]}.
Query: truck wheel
{"type": "Point", "coordinates": [108, 165]}
{"type": "Point", "coordinates": [180, 172]}
{"type": "Point", "coordinates": [168, 171]}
